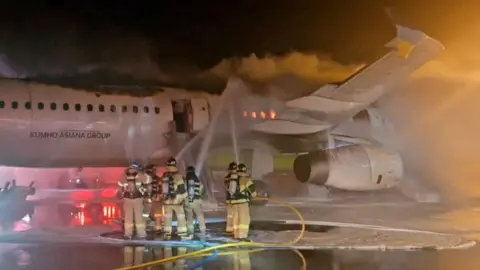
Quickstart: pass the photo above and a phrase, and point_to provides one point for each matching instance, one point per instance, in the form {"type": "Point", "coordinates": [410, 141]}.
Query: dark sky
{"type": "Point", "coordinates": [185, 37]}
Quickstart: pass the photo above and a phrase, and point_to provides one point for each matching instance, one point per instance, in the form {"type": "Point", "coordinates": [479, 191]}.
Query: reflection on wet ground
{"type": "Point", "coordinates": [89, 217]}
{"type": "Point", "coordinates": [50, 257]}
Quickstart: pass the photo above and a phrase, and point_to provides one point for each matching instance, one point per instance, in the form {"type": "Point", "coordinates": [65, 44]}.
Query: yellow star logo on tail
{"type": "Point", "coordinates": [404, 48]}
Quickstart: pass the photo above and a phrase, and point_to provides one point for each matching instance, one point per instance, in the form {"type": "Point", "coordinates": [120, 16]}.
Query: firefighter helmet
{"type": "Point", "coordinates": [242, 168]}
{"type": "Point", "coordinates": [150, 168]}
{"type": "Point", "coordinates": [136, 166]}
{"type": "Point", "coordinates": [172, 162]}
{"type": "Point", "coordinates": [232, 166]}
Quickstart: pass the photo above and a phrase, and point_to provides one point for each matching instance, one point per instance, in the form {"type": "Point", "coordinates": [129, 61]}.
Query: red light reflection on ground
{"type": "Point", "coordinates": [108, 193]}
{"type": "Point", "coordinates": [110, 213]}
{"type": "Point", "coordinates": [96, 214]}
{"type": "Point", "coordinates": [81, 218]}
{"type": "Point", "coordinates": [83, 195]}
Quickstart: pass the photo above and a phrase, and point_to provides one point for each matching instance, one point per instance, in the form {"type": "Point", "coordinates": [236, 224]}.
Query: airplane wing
{"type": "Point", "coordinates": [334, 103]}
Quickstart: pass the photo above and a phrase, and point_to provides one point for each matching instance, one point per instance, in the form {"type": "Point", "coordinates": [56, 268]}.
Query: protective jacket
{"type": "Point", "coordinates": [244, 191]}
{"type": "Point", "coordinates": [228, 177]}
{"type": "Point", "coordinates": [197, 187]}
{"type": "Point", "coordinates": [132, 185]}
{"type": "Point", "coordinates": [177, 192]}
{"type": "Point", "coordinates": [156, 185]}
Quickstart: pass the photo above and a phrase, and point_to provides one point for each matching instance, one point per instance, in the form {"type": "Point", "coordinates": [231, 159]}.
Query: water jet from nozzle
{"type": "Point", "coordinates": [232, 85]}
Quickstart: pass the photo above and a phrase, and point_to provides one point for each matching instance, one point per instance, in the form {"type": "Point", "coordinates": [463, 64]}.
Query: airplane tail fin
{"type": "Point", "coordinates": [333, 103]}
{"type": "Point", "coordinates": [409, 50]}
{"type": "Point", "coordinates": [404, 34]}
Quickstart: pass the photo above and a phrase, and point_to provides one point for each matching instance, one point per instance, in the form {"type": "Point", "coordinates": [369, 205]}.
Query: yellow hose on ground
{"type": "Point", "coordinates": [239, 244]}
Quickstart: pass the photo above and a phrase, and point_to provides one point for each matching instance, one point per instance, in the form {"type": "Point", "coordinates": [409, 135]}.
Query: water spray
{"type": "Point", "coordinates": [232, 84]}
{"type": "Point", "coordinates": [233, 132]}
{"type": "Point", "coordinates": [189, 144]}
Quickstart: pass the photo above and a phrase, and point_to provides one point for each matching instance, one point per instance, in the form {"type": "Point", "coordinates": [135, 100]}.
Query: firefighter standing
{"type": "Point", "coordinates": [132, 193]}
{"type": "Point", "coordinates": [232, 172]}
{"type": "Point", "coordinates": [194, 203]}
{"type": "Point", "coordinates": [174, 194]}
{"type": "Point", "coordinates": [154, 196]}
{"type": "Point", "coordinates": [242, 190]}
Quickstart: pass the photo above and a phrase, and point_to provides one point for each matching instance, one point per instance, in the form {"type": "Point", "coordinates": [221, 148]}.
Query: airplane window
{"type": "Point", "coordinates": [66, 107]}
{"type": "Point", "coordinates": [53, 106]}
{"type": "Point", "coordinates": [146, 109]}
{"type": "Point", "coordinates": [28, 105]}
{"type": "Point", "coordinates": [124, 108]}
{"type": "Point", "coordinates": [101, 108]}
{"type": "Point", "coordinates": [157, 110]}
{"type": "Point", "coordinates": [135, 109]}
{"type": "Point", "coordinates": [2, 104]}
{"type": "Point", "coordinates": [40, 106]}
{"type": "Point", "coordinates": [113, 108]}
{"type": "Point", "coordinates": [78, 107]}
{"type": "Point", "coordinates": [14, 105]}
{"type": "Point", "coordinates": [89, 107]}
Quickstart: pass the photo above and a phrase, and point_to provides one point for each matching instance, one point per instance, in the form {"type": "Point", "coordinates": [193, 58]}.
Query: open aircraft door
{"type": "Point", "coordinates": [200, 114]}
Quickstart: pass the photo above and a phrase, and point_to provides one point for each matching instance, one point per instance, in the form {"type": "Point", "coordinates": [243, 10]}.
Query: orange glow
{"type": "Point", "coordinates": [272, 114]}
{"type": "Point", "coordinates": [245, 114]}
{"type": "Point", "coordinates": [254, 115]}
{"type": "Point", "coordinates": [263, 114]}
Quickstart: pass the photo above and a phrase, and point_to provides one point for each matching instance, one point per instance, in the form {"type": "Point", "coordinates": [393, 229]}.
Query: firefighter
{"type": "Point", "coordinates": [194, 203]}
{"type": "Point", "coordinates": [132, 193]}
{"type": "Point", "coordinates": [242, 191]}
{"type": "Point", "coordinates": [147, 185]}
{"type": "Point", "coordinates": [232, 172]}
{"type": "Point", "coordinates": [174, 194]}
{"type": "Point", "coordinates": [154, 195]}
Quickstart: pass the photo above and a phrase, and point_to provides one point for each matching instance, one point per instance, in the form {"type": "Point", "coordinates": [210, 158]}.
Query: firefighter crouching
{"type": "Point", "coordinates": [174, 194]}
{"type": "Point", "coordinates": [132, 192]}
{"type": "Point", "coordinates": [194, 203]}
{"type": "Point", "coordinates": [153, 201]}
{"type": "Point", "coordinates": [242, 191]}
{"type": "Point", "coordinates": [232, 171]}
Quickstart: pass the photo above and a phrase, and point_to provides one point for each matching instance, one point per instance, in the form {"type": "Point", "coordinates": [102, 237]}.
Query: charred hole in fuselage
{"type": "Point", "coordinates": [181, 109]}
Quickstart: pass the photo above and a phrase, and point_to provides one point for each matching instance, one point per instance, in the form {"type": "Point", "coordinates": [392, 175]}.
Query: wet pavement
{"type": "Point", "coordinates": [55, 237]}
{"type": "Point", "coordinates": [51, 257]}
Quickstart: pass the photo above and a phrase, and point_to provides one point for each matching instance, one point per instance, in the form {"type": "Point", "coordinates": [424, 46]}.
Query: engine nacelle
{"type": "Point", "coordinates": [354, 167]}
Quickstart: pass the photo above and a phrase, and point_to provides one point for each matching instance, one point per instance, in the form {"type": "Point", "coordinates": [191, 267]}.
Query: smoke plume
{"type": "Point", "coordinates": [309, 67]}
{"type": "Point", "coordinates": [436, 120]}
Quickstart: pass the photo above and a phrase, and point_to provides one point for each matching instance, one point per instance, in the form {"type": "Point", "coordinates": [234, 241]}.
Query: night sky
{"type": "Point", "coordinates": [175, 41]}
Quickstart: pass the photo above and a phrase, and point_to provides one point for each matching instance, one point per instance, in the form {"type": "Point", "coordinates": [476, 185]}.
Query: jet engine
{"type": "Point", "coordinates": [357, 167]}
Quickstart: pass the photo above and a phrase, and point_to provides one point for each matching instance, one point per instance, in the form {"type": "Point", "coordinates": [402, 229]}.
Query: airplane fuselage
{"type": "Point", "coordinates": [49, 126]}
